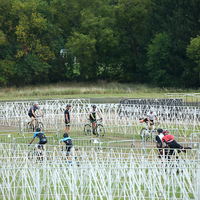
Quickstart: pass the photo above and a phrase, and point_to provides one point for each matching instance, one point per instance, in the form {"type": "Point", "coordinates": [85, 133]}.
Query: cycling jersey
{"type": "Point", "coordinates": [68, 142]}
{"type": "Point", "coordinates": [39, 135]}
{"type": "Point", "coordinates": [159, 139]}
{"type": "Point", "coordinates": [93, 112]}
{"type": "Point", "coordinates": [33, 108]}
{"type": "Point", "coordinates": [66, 113]}
{"type": "Point", "coordinates": [151, 115]}
{"type": "Point", "coordinates": [168, 138]}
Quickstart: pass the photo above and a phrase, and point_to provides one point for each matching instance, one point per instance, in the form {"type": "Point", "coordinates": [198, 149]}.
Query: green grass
{"type": "Point", "coordinates": [88, 90]}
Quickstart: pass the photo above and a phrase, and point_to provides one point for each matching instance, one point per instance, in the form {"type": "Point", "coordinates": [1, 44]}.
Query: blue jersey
{"type": "Point", "coordinates": [68, 141]}
{"type": "Point", "coordinates": [39, 135]}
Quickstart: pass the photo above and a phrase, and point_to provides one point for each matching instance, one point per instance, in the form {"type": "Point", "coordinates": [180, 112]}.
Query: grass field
{"type": "Point", "coordinates": [88, 90]}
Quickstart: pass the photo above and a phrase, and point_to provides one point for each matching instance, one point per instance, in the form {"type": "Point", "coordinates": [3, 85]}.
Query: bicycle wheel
{"type": "Point", "coordinates": [48, 156]}
{"type": "Point", "coordinates": [144, 134]}
{"type": "Point", "coordinates": [30, 155]}
{"type": "Point", "coordinates": [30, 127]}
{"type": "Point", "coordinates": [99, 130]}
{"type": "Point", "coordinates": [41, 126]}
{"type": "Point", "coordinates": [87, 129]}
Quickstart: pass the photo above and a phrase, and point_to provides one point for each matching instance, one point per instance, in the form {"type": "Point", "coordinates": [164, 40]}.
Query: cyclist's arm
{"type": "Point", "coordinates": [32, 140]}
{"type": "Point", "coordinates": [148, 120]}
{"type": "Point", "coordinates": [66, 117]}
{"type": "Point", "coordinates": [92, 116]}
{"type": "Point", "coordinates": [63, 145]}
{"type": "Point", "coordinates": [33, 113]}
{"type": "Point", "coordinates": [40, 112]}
{"type": "Point", "coordinates": [99, 115]}
{"type": "Point", "coordinates": [157, 119]}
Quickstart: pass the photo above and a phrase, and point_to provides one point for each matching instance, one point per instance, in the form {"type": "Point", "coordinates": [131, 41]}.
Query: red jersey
{"type": "Point", "coordinates": [168, 138]}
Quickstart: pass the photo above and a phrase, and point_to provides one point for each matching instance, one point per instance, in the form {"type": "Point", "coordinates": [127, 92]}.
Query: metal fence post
{"type": "Point", "coordinates": [38, 184]}
{"type": "Point", "coordinates": [19, 126]}
{"type": "Point", "coordinates": [57, 129]}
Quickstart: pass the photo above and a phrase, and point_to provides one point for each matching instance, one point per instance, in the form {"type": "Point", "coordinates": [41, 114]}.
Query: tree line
{"type": "Point", "coordinates": [141, 41]}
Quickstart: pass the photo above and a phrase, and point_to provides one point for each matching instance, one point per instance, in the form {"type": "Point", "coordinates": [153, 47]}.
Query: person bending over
{"type": "Point", "coordinates": [172, 144]}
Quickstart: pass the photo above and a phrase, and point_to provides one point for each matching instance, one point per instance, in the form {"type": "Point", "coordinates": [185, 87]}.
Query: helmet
{"type": "Point", "coordinates": [65, 135]}
{"type": "Point", "coordinates": [35, 103]}
{"type": "Point", "coordinates": [38, 129]}
{"type": "Point", "coordinates": [165, 132]}
{"type": "Point", "coordinates": [68, 105]}
{"type": "Point", "coordinates": [160, 130]}
{"type": "Point", "coordinates": [151, 109]}
{"type": "Point", "coordinates": [94, 106]}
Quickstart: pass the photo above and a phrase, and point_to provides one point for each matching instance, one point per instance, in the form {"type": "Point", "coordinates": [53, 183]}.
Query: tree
{"type": "Point", "coordinates": [160, 65]}
{"type": "Point", "coordinates": [193, 52]}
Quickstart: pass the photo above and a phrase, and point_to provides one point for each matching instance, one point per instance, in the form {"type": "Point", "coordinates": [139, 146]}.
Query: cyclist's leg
{"type": "Point", "coordinates": [39, 148]}
{"type": "Point", "coordinates": [32, 119]}
{"type": "Point", "coordinates": [68, 148]}
{"type": "Point", "coordinates": [143, 120]}
{"type": "Point", "coordinates": [67, 128]}
{"type": "Point", "coordinates": [93, 127]}
{"type": "Point", "coordinates": [151, 125]}
{"type": "Point", "coordinates": [71, 154]}
{"type": "Point", "coordinates": [42, 143]}
{"type": "Point", "coordinates": [36, 123]}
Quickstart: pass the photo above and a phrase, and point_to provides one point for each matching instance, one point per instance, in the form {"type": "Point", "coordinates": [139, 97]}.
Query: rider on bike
{"type": "Point", "coordinates": [150, 117]}
{"type": "Point", "coordinates": [93, 112]}
{"type": "Point", "coordinates": [32, 114]}
{"type": "Point", "coordinates": [40, 135]}
{"type": "Point", "coordinates": [69, 146]}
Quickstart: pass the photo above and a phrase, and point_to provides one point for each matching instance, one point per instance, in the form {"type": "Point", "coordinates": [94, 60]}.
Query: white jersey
{"type": "Point", "coordinates": [160, 136]}
{"type": "Point", "coordinates": [94, 111]}
{"type": "Point", "coordinates": [151, 115]}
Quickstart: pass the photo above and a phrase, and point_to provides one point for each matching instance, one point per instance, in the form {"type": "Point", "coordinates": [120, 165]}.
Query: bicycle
{"type": "Point", "coordinates": [31, 127]}
{"type": "Point", "coordinates": [98, 131]}
{"type": "Point", "coordinates": [146, 133]}
{"type": "Point", "coordinates": [38, 156]}
{"type": "Point", "coordinates": [77, 159]}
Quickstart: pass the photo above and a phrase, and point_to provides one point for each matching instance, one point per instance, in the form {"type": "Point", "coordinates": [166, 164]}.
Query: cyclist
{"type": "Point", "coordinates": [159, 143]}
{"type": "Point", "coordinates": [171, 143]}
{"type": "Point", "coordinates": [150, 117]}
{"type": "Point", "coordinates": [67, 117]}
{"type": "Point", "coordinates": [93, 112]}
{"type": "Point", "coordinates": [31, 113]}
{"type": "Point", "coordinates": [69, 146]}
{"type": "Point", "coordinates": [40, 135]}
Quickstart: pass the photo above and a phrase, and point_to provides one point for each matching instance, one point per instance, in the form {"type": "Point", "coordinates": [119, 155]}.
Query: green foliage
{"type": "Point", "coordinates": [160, 67]}
{"type": "Point", "coordinates": [6, 71]}
{"type": "Point", "coordinates": [193, 52]}
{"type": "Point", "coordinates": [124, 41]}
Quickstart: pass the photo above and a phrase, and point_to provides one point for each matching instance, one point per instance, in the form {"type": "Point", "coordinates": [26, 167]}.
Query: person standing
{"type": "Point", "coordinates": [92, 116]}
{"type": "Point", "coordinates": [67, 118]}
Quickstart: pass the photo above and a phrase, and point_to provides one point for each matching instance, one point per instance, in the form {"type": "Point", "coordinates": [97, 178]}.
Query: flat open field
{"type": "Point", "coordinates": [100, 89]}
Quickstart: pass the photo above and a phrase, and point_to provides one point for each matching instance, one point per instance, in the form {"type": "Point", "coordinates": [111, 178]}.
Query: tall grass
{"type": "Point", "coordinates": [101, 87]}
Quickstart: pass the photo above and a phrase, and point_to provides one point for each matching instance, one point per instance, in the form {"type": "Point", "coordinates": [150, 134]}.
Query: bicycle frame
{"type": "Point", "coordinates": [148, 133]}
